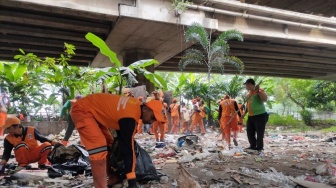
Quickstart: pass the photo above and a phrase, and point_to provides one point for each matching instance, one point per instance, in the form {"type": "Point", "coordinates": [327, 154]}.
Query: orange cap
{"type": "Point", "coordinates": [157, 107]}
{"type": "Point", "coordinates": [11, 120]}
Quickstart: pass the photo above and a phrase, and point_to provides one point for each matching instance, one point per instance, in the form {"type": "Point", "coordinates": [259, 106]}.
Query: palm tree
{"type": "Point", "coordinates": [214, 55]}
{"type": "Point", "coordinates": [233, 87]}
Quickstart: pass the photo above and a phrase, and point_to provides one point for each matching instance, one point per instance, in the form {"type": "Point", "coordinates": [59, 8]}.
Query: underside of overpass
{"type": "Point", "coordinates": [300, 44]}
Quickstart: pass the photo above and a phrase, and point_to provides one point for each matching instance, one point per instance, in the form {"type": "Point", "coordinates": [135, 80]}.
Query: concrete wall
{"type": "Point", "coordinates": [47, 127]}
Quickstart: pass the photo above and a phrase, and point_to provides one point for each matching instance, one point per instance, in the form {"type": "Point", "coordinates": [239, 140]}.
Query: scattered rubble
{"type": "Point", "coordinates": [203, 161]}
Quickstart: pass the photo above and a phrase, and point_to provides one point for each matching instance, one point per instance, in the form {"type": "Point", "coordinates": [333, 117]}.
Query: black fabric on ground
{"type": "Point", "coordinates": [73, 160]}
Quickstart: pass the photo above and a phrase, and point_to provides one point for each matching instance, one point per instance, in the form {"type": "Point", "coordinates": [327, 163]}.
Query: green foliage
{"type": "Point", "coordinates": [119, 75]}
{"type": "Point", "coordinates": [278, 120]}
{"type": "Point", "coordinates": [330, 129]}
{"type": "Point", "coordinates": [213, 55]}
{"type": "Point", "coordinates": [322, 96]}
{"type": "Point", "coordinates": [180, 5]}
{"type": "Point", "coordinates": [307, 117]}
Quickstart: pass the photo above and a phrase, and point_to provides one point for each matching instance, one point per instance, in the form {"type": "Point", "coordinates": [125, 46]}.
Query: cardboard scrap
{"type": "Point", "coordinates": [185, 180]}
{"type": "Point", "coordinates": [309, 184]}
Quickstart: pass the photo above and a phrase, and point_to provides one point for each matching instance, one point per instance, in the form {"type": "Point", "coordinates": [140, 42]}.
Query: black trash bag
{"type": "Point", "coordinates": [73, 160]}
{"type": "Point", "coordinates": [145, 169]}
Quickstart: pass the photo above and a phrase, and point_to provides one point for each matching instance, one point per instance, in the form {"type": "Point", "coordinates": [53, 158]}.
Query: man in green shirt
{"type": "Point", "coordinates": [65, 113]}
{"type": "Point", "coordinates": [257, 115]}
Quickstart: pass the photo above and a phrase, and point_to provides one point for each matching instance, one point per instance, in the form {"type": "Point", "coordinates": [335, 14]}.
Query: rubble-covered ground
{"type": "Point", "coordinates": [289, 160]}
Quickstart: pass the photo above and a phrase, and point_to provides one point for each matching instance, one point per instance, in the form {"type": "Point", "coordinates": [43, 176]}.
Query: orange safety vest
{"type": "Point", "coordinates": [108, 109]}
{"type": "Point", "coordinates": [228, 108]}
{"type": "Point", "coordinates": [174, 110]}
{"type": "Point", "coordinates": [29, 140]}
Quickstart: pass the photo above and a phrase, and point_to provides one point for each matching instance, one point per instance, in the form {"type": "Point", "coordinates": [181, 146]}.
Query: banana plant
{"type": "Point", "coordinates": [120, 75]}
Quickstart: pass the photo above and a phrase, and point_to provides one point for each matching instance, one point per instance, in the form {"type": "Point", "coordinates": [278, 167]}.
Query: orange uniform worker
{"type": "Point", "coordinates": [196, 118]}
{"type": "Point", "coordinates": [3, 116]}
{"type": "Point", "coordinates": [241, 107]}
{"type": "Point", "coordinates": [228, 119]}
{"type": "Point", "coordinates": [24, 142]}
{"type": "Point", "coordinates": [175, 116]}
{"type": "Point", "coordinates": [185, 117]}
{"type": "Point", "coordinates": [95, 113]}
{"type": "Point", "coordinates": [160, 126]}
{"type": "Point", "coordinates": [140, 123]}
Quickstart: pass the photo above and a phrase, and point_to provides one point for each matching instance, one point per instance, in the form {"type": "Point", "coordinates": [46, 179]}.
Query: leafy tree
{"type": "Point", "coordinates": [120, 75]}
{"type": "Point", "coordinates": [322, 95]}
{"type": "Point", "coordinates": [214, 55]}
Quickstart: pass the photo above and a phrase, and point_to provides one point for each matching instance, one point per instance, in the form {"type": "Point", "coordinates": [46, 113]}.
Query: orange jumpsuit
{"type": "Point", "coordinates": [28, 150]}
{"type": "Point", "coordinates": [3, 116]}
{"type": "Point", "coordinates": [140, 125]}
{"type": "Point", "coordinates": [174, 118]}
{"type": "Point", "coordinates": [240, 119]}
{"type": "Point", "coordinates": [196, 119]}
{"type": "Point", "coordinates": [93, 115]}
{"type": "Point", "coordinates": [228, 120]}
{"type": "Point", "coordinates": [162, 127]}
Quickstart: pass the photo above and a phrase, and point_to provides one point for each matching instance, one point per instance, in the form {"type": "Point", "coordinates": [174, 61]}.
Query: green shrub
{"type": "Point", "coordinates": [278, 120]}
{"type": "Point", "coordinates": [307, 117]}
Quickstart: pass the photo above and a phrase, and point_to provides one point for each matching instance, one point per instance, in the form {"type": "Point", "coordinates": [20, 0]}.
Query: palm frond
{"type": "Point", "coordinates": [236, 62]}
{"type": "Point", "coordinates": [231, 34]}
{"type": "Point", "coordinates": [198, 34]}
{"type": "Point", "coordinates": [192, 56]}
{"type": "Point", "coordinates": [219, 50]}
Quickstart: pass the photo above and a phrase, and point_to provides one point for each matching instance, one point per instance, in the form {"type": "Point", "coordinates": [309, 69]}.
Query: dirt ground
{"type": "Point", "coordinates": [286, 156]}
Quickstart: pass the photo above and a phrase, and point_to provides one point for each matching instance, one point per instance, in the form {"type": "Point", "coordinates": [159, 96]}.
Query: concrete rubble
{"type": "Point", "coordinates": [288, 160]}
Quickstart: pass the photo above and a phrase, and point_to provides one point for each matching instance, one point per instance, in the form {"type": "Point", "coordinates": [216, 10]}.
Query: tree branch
{"type": "Point", "coordinates": [295, 101]}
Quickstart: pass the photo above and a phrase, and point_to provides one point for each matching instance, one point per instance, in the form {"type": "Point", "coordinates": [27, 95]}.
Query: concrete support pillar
{"type": "Point", "coordinates": [132, 55]}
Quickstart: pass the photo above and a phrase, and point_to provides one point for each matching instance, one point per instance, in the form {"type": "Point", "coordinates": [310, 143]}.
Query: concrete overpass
{"type": "Point", "coordinates": [277, 42]}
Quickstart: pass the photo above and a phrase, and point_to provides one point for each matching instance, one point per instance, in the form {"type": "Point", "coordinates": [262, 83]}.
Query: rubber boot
{"type": "Point", "coordinates": [65, 143]}
{"type": "Point", "coordinates": [98, 169]}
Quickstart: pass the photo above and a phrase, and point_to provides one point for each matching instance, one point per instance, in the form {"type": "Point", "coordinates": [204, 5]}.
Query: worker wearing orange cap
{"type": "Point", "coordinates": [175, 116]}
{"type": "Point", "coordinates": [160, 126]}
{"type": "Point", "coordinates": [24, 142]}
{"type": "Point", "coordinates": [95, 113]}
{"type": "Point", "coordinates": [196, 118]}
{"type": "Point", "coordinates": [228, 110]}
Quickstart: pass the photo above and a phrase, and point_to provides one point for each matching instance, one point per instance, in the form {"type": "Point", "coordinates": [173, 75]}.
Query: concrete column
{"type": "Point", "coordinates": [132, 55]}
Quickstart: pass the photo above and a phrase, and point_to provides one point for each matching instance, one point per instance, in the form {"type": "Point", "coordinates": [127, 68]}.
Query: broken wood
{"type": "Point", "coordinates": [185, 180]}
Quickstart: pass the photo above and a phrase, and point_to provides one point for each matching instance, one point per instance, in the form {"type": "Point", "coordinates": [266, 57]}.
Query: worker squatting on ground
{"type": "Point", "coordinates": [227, 115]}
{"type": "Point", "coordinates": [24, 142]}
{"type": "Point", "coordinates": [175, 116]}
{"type": "Point", "coordinates": [65, 113]}
{"type": "Point", "coordinates": [94, 114]}
{"type": "Point", "coordinates": [257, 116]}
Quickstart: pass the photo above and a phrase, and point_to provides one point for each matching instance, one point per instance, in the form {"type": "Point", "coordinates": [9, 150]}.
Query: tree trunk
{"type": "Point", "coordinates": [295, 101]}
{"type": "Point", "coordinates": [209, 101]}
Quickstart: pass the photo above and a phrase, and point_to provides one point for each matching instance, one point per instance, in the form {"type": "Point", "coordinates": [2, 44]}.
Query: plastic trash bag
{"type": "Point", "coordinates": [145, 169]}
{"type": "Point", "coordinates": [73, 160]}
